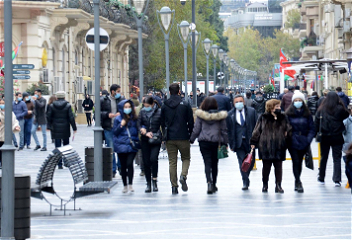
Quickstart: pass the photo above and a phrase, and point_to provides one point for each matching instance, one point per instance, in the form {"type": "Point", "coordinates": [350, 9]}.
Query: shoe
{"type": "Point", "coordinates": [245, 185]}
{"type": "Point", "coordinates": [149, 188]}
{"type": "Point", "coordinates": [37, 147]}
{"type": "Point", "coordinates": [155, 186]}
{"type": "Point", "coordinates": [299, 187]}
{"type": "Point", "coordinates": [28, 147]}
{"type": "Point", "coordinates": [43, 149]}
{"type": "Point", "coordinates": [130, 188]}
{"type": "Point", "coordinates": [210, 188]}
{"type": "Point", "coordinates": [20, 149]}
{"type": "Point", "coordinates": [142, 174]}
{"type": "Point", "coordinates": [113, 174]}
{"type": "Point", "coordinates": [174, 190]}
{"type": "Point", "coordinates": [16, 145]}
{"type": "Point", "coordinates": [265, 188]}
{"type": "Point", "coordinates": [321, 182]}
{"type": "Point", "coordinates": [52, 141]}
{"type": "Point", "coordinates": [125, 189]}
{"type": "Point", "coordinates": [337, 184]}
{"type": "Point", "coordinates": [215, 188]}
{"type": "Point", "coordinates": [60, 167]}
{"type": "Point", "coordinates": [278, 188]}
{"type": "Point", "coordinates": [184, 186]}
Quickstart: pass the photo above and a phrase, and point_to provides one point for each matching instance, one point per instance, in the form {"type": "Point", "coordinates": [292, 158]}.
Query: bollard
{"type": "Point", "coordinates": [347, 185]}
{"type": "Point", "coordinates": [319, 155]}
{"type": "Point", "coordinates": [255, 165]}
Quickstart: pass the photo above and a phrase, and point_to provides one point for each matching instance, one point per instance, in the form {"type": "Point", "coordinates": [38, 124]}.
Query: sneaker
{"type": "Point", "coordinates": [114, 175]}
{"type": "Point", "coordinates": [16, 145]}
{"type": "Point", "coordinates": [337, 184]}
{"type": "Point", "coordinates": [130, 188]}
{"type": "Point", "coordinates": [125, 189]}
{"type": "Point", "coordinates": [43, 149]}
{"type": "Point", "coordinates": [184, 186]}
{"type": "Point", "coordinates": [20, 149]}
{"type": "Point", "coordinates": [37, 147]}
{"type": "Point", "coordinates": [60, 167]}
{"type": "Point", "coordinates": [28, 147]}
{"type": "Point", "coordinates": [321, 182]}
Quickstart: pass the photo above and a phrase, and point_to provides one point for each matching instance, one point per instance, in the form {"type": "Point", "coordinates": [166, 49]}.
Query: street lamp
{"type": "Point", "coordinates": [139, 5]}
{"type": "Point", "coordinates": [232, 65]}
{"type": "Point", "coordinates": [207, 46]}
{"type": "Point", "coordinates": [198, 34]}
{"type": "Point", "coordinates": [224, 59]}
{"type": "Point", "coordinates": [183, 32]}
{"type": "Point", "coordinates": [221, 56]}
{"type": "Point", "coordinates": [167, 18]}
{"type": "Point", "coordinates": [214, 50]}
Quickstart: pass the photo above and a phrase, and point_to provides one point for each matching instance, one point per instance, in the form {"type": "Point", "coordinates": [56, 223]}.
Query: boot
{"type": "Point", "coordinates": [299, 187]}
{"type": "Point", "coordinates": [210, 188]}
{"type": "Point", "coordinates": [174, 190]}
{"type": "Point", "coordinates": [155, 186]}
{"type": "Point", "coordinates": [215, 188]}
{"type": "Point", "coordinates": [265, 188]}
{"type": "Point", "coordinates": [149, 188]}
{"type": "Point", "coordinates": [278, 188]}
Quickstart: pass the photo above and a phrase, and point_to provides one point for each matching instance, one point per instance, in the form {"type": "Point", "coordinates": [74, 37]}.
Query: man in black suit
{"type": "Point", "coordinates": [223, 101]}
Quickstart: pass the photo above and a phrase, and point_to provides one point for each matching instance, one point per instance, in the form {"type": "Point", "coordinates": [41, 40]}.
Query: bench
{"type": "Point", "coordinates": [71, 160]}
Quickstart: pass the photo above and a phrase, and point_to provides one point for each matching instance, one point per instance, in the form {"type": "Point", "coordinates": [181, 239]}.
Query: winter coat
{"type": "Point", "coordinates": [235, 136]}
{"type": "Point", "coordinates": [223, 102]}
{"type": "Point", "coordinates": [347, 134]}
{"type": "Point", "coordinates": [210, 126]}
{"type": "Point", "coordinates": [321, 99]}
{"type": "Point", "coordinates": [105, 106]}
{"type": "Point", "coordinates": [344, 98]}
{"type": "Point", "coordinates": [152, 122]}
{"type": "Point", "coordinates": [121, 139]}
{"type": "Point", "coordinates": [39, 111]}
{"type": "Point", "coordinates": [89, 103]}
{"type": "Point", "coordinates": [303, 131]}
{"type": "Point", "coordinates": [313, 104]}
{"type": "Point", "coordinates": [269, 136]}
{"type": "Point", "coordinates": [332, 126]}
{"type": "Point", "coordinates": [200, 99]}
{"type": "Point", "coordinates": [181, 127]}
{"type": "Point", "coordinates": [60, 117]}
{"type": "Point", "coordinates": [248, 102]}
{"type": "Point", "coordinates": [19, 109]}
{"type": "Point", "coordinates": [259, 105]}
{"type": "Point", "coordinates": [15, 124]}
{"type": "Point", "coordinates": [30, 107]}
{"type": "Point", "coordinates": [286, 101]}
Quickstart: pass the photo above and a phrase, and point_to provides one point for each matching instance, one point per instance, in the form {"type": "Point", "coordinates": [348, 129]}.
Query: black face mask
{"type": "Point", "coordinates": [277, 111]}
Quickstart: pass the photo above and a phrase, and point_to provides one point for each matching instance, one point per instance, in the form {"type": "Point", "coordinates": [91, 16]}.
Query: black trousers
{"type": "Point", "coordinates": [209, 152]}
{"type": "Point", "coordinates": [336, 155]}
{"type": "Point", "coordinates": [150, 155]}
{"type": "Point", "coordinates": [297, 160]}
{"type": "Point", "coordinates": [241, 154]}
{"type": "Point", "coordinates": [89, 118]}
{"type": "Point", "coordinates": [58, 143]}
{"type": "Point", "coordinates": [126, 160]}
{"type": "Point", "coordinates": [1, 143]}
{"type": "Point", "coordinates": [267, 168]}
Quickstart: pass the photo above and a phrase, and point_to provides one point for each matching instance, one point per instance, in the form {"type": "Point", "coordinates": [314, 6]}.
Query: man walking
{"type": "Point", "coordinates": [241, 122]}
{"type": "Point", "coordinates": [177, 119]}
{"type": "Point", "coordinates": [60, 117]}
{"type": "Point", "coordinates": [28, 119]}
{"type": "Point", "coordinates": [109, 112]}
{"type": "Point", "coordinates": [222, 100]}
{"type": "Point", "coordinates": [39, 118]}
{"type": "Point", "coordinates": [287, 99]}
{"type": "Point", "coordinates": [19, 108]}
{"type": "Point", "coordinates": [343, 97]}
{"type": "Point", "coordinates": [259, 104]}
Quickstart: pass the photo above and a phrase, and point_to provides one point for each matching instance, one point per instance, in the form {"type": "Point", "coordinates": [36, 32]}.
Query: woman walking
{"type": "Point", "coordinates": [303, 132]}
{"type": "Point", "coordinates": [125, 136]}
{"type": "Point", "coordinates": [329, 119]}
{"type": "Point", "coordinates": [88, 109]}
{"type": "Point", "coordinates": [149, 122]}
{"type": "Point", "coordinates": [270, 137]}
{"type": "Point", "coordinates": [210, 129]}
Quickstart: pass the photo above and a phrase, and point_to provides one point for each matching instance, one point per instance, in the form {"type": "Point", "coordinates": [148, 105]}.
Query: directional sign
{"type": "Point", "coordinates": [104, 39]}
{"type": "Point", "coordinates": [21, 77]}
{"type": "Point", "coordinates": [23, 66]}
{"type": "Point", "coordinates": [21, 72]}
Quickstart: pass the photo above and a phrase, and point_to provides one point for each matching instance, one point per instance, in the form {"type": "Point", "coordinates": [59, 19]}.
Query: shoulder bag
{"type": "Point", "coordinates": [156, 139]}
{"type": "Point", "coordinates": [319, 134]}
{"type": "Point", "coordinates": [222, 150]}
{"type": "Point", "coordinates": [135, 144]}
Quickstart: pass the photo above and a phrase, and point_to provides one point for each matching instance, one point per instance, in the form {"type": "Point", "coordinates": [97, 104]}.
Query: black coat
{"type": "Point", "coordinates": [259, 105]}
{"type": "Point", "coordinates": [39, 111]}
{"type": "Point", "coordinates": [152, 123]}
{"type": "Point", "coordinates": [181, 127]}
{"type": "Point", "coordinates": [235, 137]}
{"type": "Point", "coordinates": [223, 102]}
{"type": "Point", "coordinates": [88, 102]}
{"type": "Point", "coordinates": [105, 106]}
{"type": "Point", "coordinates": [313, 104]}
{"type": "Point", "coordinates": [60, 117]}
{"type": "Point", "coordinates": [200, 99]}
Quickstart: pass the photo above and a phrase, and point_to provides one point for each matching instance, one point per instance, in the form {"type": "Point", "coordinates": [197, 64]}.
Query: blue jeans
{"type": "Point", "coordinates": [34, 133]}
{"type": "Point", "coordinates": [108, 139]}
{"type": "Point", "coordinates": [58, 144]}
{"type": "Point", "coordinates": [21, 123]}
{"type": "Point", "coordinates": [27, 131]}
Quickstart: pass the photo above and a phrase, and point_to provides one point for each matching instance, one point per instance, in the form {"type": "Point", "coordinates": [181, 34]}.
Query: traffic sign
{"type": "Point", "coordinates": [21, 72]}
{"type": "Point", "coordinates": [22, 66]}
{"type": "Point", "coordinates": [21, 77]}
{"type": "Point", "coordinates": [221, 75]}
{"type": "Point", "coordinates": [104, 39]}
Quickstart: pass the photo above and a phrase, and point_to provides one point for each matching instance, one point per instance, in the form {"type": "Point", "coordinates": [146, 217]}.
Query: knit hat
{"type": "Point", "coordinates": [60, 94]}
{"type": "Point", "coordinates": [25, 94]}
{"type": "Point", "coordinates": [298, 95]}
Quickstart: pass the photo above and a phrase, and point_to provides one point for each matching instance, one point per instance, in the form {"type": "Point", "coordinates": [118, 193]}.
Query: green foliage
{"type": "Point", "coordinates": [2, 85]}
{"type": "Point", "coordinates": [293, 18]}
{"type": "Point", "coordinates": [41, 86]}
{"type": "Point", "coordinates": [268, 88]}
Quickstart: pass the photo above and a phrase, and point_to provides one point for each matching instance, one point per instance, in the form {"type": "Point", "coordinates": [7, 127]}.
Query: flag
{"type": "Point", "coordinates": [283, 58]}
{"type": "Point", "coordinates": [272, 81]}
{"type": "Point", "coordinates": [14, 55]}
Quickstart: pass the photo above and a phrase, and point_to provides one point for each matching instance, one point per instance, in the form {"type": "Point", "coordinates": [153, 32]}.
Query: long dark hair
{"type": "Point", "coordinates": [330, 103]}
{"type": "Point", "coordinates": [291, 111]}
{"type": "Point", "coordinates": [208, 104]}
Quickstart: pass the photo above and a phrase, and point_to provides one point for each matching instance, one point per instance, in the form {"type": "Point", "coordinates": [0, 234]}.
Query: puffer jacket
{"type": "Point", "coordinates": [313, 104]}
{"type": "Point", "coordinates": [121, 139]}
{"type": "Point", "coordinates": [60, 117]}
{"type": "Point", "coordinates": [259, 105]}
{"type": "Point", "coordinates": [344, 98]}
{"type": "Point", "coordinates": [286, 100]}
{"type": "Point", "coordinates": [210, 126]}
{"type": "Point", "coordinates": [105, 105]}
{"type": "Point", "coordinates": [347, 134]}
{"type": "Point", "coordinates": [15, 124]}
{"type": "Point", "coordinates": [151, 122]}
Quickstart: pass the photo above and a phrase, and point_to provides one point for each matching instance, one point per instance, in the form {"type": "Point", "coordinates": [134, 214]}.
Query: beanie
{"type": "Point", "coordinates": [298, 95]}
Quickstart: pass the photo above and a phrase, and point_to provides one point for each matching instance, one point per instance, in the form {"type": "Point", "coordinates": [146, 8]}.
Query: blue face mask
{"type": "Point", "coordinates": [148, 109]}
{"type": "Point", "coordinates": [127, 110]}
{"type": "Point", "coordinates": [118, 95]}
{"type": "Point", "coordinates": [19, 99]}
{"type": "Point", "coordinates": [298, 104]}
{"type": "Point", "coordinates": [36, 95]}
{"type": "Point", "coordinates": [239, 106]}
{"type": "Point", "coordinates": [28, 98]}
{"type": "Point", "coordinates": [2, 106]}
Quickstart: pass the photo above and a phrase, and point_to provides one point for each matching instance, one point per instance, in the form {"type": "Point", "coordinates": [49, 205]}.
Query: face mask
{"type": "Point", "coordinates": [298, 104]}
{"type": "Point", "coordinates": [239, 106]}
{"type": "Point", "coordinates": [148, 109]}
{"type": "Point", "coordinates": [118, 95]}
{"type": "Point", "coordinates": [277, 111]}
{"type": "Point", "coordinates": [36, 96]}
{"type": "Point", "coordinates": [19, 99]}
{"type": "Point", "coordinates": [127, 110]}
{"type": "Point", "coordinates": [2, 106]}
{"type": "Point", "coordinates": [28, 98]}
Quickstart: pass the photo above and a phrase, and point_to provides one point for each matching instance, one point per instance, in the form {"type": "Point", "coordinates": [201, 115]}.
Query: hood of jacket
{"type": "Point", "coordinates": [173, 101]}
{"type": "Point", "coordinates": [121, 104]}
{"type": "Point", "coordinates": [211, 115]}
{"type": "Point", "coordinates": [341, 94]}
{"type": "Point", "coordinates": [60, 104]}
{"type": "Point", "coordinates": [259, 99]}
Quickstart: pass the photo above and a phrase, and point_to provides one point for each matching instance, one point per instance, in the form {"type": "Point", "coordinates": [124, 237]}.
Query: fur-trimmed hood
{"type": "Point", "coordinates": [211, 116]}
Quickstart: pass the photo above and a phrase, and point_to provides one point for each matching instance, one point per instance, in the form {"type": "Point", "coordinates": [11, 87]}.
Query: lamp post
{"type": "Point", "coordinates": [167, 18]}
{"type": "Point", "coordinates": [214, 50]}
{"type": "Point", "coordinates": [349, 61]}
{"type": "Point", "coordinates": [227, 63]}
{"type": "Point", "coordinates": [183, 32]}
{"type": "Point", "coordinates": [221, 56]}
{"type": "Point", "coordinates": [207, 46]}
{"type": "Point", "coordinates": [232, 65]}
{"type": "Point", "coordinates": [139, 4]}
{"type": "Point", "coordinates": [224, 58]}
{"type": "Point", "coordinates": [245, 80]}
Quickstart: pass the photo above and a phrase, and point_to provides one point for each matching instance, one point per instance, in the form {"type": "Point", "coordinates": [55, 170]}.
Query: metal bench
{"type": "Point", "coordinates": [71, 160]}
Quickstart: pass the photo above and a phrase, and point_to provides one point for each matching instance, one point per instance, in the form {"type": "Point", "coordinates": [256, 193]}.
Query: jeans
{"type": "Point", "coordinates": [58, 144]}
{"type": "Point", "coordinates": [127, 167]}
{"type": "Point", "coordinates": [109, 143]}
{"type": "Point", "coordinates": [34, 133]}
{"type": "Point", "coordinates": [209, 152]}
{"type": "Point", "coordinates": [21, 123]}
{"type": "Point", "coordinates": [14, 139]}
{"type": "Point", "coordinates": [150, 155]}
{"type": "Point", "coordinates": [267, 168]}
{"type": "Point", "coordinates": [241, 154]}
{"type": "Point", "coordinates": [336, 155]}
{"type": "Point", "coordinates": [89, 118]}
{"type": "Point", "coordinates": [28, 131]}
{"type": "Point", "coordinates": [173, 146]}
{"type": "Point", "coordinates": [297, 160]}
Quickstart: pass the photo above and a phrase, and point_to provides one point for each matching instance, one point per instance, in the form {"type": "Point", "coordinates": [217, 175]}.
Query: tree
{"type": "Point", "coordinates": [41, 86]}
{"type": "Point", "coordinates": [293, 18]}
{"type": "Point", "coordinates": [2, 85]}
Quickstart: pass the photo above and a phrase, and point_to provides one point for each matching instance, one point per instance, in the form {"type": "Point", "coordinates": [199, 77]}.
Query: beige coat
{"type": "Point", "coordinates": [2, 125]}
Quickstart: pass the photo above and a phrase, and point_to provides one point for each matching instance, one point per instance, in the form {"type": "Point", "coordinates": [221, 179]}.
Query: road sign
{"type": "Point", "coordinates": [21, 72]}
{"type": "Point", "coordinates": [104, 39]}
{"type": "Point", "coordinates": [23, 66]}
{"type": "Point", "coordinates": [220, 75]}
{"type": "Point", "coordinates": [21, 77]}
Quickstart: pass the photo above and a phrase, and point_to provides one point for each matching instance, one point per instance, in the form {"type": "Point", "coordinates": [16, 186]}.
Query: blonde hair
{"type": "Point", "coordinates": [270, 105]}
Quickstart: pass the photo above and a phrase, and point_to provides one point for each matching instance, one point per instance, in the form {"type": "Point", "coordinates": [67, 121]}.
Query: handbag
{"type": "Point", "coordinates": [156, 139]}
{"type": "Point", "coordinates": [319, 135]}
{"type": "Point", "coordinates": [222, 149]}
{"type": "Point", "coordinates": [247, 162]}
{"type": "Point", "coordinates": [308, 157]}
{"type": "Point", "coordinates": [135, 144]}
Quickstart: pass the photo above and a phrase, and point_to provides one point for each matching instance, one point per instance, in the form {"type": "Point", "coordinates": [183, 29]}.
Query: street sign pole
{"type": "Point", "coordinates": [8, 151]}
